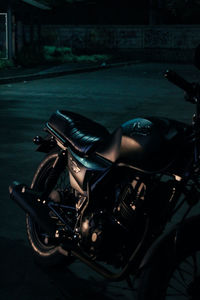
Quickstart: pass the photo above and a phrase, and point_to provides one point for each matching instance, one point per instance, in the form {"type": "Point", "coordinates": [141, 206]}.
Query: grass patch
{"type": "Point", "coordinates": [30, 56]}
{"type": "Point", "coordinates": [64, 54]}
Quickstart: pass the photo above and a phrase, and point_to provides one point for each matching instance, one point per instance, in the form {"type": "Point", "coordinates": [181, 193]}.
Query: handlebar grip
{"type": "Point", "coordinates": [180, 81]}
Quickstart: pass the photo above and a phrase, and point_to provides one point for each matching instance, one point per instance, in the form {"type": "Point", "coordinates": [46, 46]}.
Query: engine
{"type": "Point", "coordinates": [112, 234]}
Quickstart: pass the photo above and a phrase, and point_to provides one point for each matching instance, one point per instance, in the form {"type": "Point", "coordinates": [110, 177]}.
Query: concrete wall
{"type": "Point", "coordinates": [160, 42]}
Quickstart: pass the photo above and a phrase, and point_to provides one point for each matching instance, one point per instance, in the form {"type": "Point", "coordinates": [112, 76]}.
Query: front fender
{"type": "Point", "coordinates": [179, 236]}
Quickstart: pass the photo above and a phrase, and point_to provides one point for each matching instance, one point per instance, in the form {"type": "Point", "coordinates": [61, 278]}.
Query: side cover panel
{"type": "Point", "coordinates": [82, 169]}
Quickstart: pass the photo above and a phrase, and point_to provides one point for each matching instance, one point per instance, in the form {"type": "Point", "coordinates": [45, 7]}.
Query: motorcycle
{"type": "Point", "coordinates": [105, 198]}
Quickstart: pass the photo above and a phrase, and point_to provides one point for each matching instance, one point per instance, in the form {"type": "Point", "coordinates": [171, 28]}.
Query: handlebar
{"type": "Point", "coordinates": [180, 82]}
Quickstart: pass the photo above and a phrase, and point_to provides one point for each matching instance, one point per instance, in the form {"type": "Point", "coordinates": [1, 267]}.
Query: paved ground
{"type": "Point", "coordinates": [20, 74]}
{"type": "Point", "coordinates": [110, 97]}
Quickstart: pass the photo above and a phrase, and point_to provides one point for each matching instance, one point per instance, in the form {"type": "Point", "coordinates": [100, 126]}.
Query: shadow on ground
{"type": "Point", "coordinates": [22, 279]}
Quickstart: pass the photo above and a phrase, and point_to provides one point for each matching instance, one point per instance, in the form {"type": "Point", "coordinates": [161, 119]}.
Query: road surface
{"type": "Point", "coordinates": [109, 97]}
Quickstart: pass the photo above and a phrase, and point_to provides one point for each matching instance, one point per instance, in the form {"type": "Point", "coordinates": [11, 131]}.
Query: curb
{"type": "Point", "coordinates": [29, 77]}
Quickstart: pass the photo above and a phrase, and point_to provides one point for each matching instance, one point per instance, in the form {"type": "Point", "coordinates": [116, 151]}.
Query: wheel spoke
{"type": "Point", "coordinates": [179, 280]}
{"type": "Point", "coordinates": [182, 280]}
{"type": "Point", "coordinates": [188, 262]}
{"type": "Point", "coordinates": [181, 293]}
{"type": "Point", "coordinates": [181, 273]}
{"type": "Point", "coordinates": [185, 271]}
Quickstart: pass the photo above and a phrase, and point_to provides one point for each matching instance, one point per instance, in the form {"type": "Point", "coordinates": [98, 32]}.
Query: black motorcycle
{"type": "Point", "coordinates": [106, 199]}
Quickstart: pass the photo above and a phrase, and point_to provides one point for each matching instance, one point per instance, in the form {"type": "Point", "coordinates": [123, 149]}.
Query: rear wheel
{"type": "Point", "coordinates": [46, 248]}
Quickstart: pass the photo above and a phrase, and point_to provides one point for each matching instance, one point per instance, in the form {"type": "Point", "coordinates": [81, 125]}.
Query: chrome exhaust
{"type": "Point", "coordinates": [31, 202]}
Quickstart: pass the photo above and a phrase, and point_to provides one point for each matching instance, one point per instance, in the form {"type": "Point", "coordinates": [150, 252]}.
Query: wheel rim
{"type": "Point", "coordinates": [185, 280]}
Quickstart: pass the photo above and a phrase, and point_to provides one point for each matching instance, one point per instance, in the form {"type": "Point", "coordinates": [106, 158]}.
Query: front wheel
{"type": "Point", "coordinates": [46, 248]}
{"type": "Point", "coordinates": [173, 276]}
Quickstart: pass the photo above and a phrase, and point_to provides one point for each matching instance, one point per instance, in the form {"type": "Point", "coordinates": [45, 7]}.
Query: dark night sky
{"type": "Point", "coordinates": [104, 12]}
{"type": "Point", "coordinates": [121, 12]}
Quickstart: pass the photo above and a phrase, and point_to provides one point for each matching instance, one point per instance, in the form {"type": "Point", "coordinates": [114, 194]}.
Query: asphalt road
{"type": "Point", "coordinates": [109, 97]}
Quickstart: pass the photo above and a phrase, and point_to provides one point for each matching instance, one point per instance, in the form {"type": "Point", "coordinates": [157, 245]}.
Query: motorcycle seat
{"type": "Point", "coordinates": [76, 131]}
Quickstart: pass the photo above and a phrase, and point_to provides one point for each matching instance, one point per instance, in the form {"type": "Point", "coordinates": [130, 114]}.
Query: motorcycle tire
{"type": "Point", "coordinates": [173, 275]}
{"type": "Point", "coordinates": [45, 249]}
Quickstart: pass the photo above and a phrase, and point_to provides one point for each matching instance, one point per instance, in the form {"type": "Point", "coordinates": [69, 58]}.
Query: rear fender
{"type": "Point", "coordinates": [46, 144]}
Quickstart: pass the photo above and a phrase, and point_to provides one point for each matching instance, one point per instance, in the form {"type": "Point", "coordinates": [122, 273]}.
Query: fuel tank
{"type": "Point", "coordinates": [152, 144]}
{"type": "Point", "coordinates": [149, 144]}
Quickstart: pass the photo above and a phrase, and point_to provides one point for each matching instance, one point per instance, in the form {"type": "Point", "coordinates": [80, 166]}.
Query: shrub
{"type": "Point", "coordinates": [64, 54]}
{"type": "Point", "coordinates": [31, 55]}
{"type": "Point", "coordinates": [57, 54]}
{"type": "Point", "coordinates": [4, 64]}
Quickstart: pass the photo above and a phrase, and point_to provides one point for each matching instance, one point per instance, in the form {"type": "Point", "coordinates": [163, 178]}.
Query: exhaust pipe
{"type": "Point", "coordinates": [31, 203]}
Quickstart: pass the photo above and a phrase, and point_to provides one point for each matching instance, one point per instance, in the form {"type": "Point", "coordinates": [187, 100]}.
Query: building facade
{"type": "Point", "coordinates": [14, 14]}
